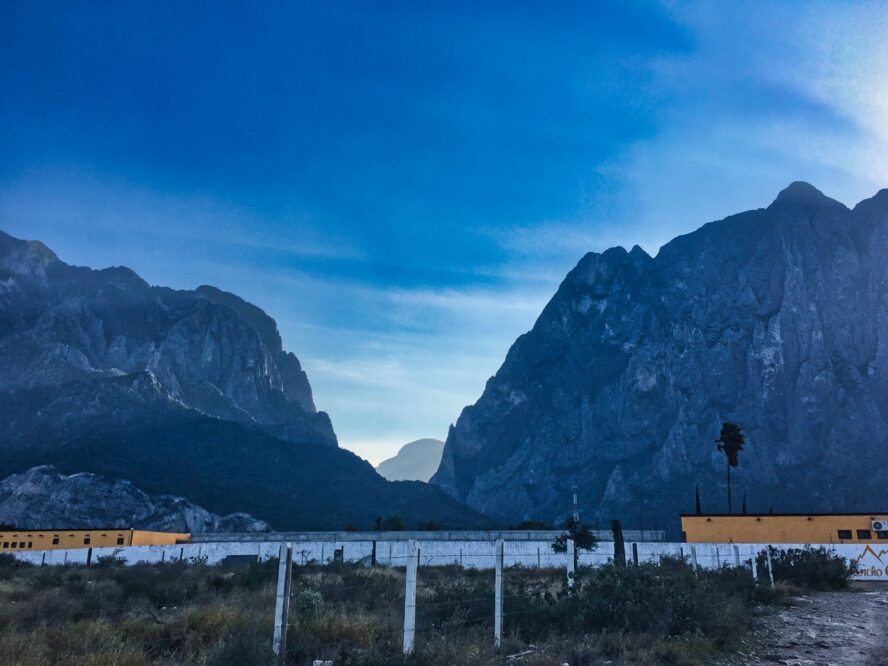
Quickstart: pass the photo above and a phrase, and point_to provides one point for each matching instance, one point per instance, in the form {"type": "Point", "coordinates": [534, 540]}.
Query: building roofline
{"type": "Point", "coordinates": [780, 515]}
{"type": "Point", "coordinates": [70, 529]}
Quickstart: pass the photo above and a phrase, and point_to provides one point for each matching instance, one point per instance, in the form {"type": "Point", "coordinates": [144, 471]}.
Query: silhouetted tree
{"type": "Point", "coordinates": [393, 524]}
{"type": "Point", "coordinates": [581, 534]}
{"type": "Point", "coordinates": [730, 442]}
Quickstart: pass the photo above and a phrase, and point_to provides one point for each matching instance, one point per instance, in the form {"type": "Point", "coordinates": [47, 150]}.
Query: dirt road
{"type": "Point", "coordinates": [827, 628]}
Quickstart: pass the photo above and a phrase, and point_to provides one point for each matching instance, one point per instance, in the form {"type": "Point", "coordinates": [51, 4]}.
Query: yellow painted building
{"type": "Point", "coordinates": [785, 528]}
{"type": "Point", "coordinates": [17, 540]}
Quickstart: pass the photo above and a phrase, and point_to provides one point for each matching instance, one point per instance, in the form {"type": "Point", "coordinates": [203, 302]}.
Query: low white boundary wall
{"type": "Point", "coordinates": [871, 559]}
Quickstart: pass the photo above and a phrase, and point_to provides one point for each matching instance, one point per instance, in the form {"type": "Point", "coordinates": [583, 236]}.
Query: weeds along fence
{"type": "Point", "coordinates": [487, 600]}
{"type": "Point", "coordinates": [441, 591]}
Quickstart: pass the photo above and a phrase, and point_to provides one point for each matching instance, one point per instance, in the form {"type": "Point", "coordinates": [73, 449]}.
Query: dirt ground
{"type": "Point", "coordinates": [827, 628]}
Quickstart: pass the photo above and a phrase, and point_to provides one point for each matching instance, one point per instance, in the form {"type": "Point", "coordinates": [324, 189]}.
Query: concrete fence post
{"type": "Point", "coordinates": [571, 562]}
{"type": "Point", "coordinates": [282, 604]}
{"type": "Point", "coordinates": [634, 553]}
{"type": "Point", "coordinates": [736, 556]}
{"type": "Point", "coordinates": [498, 596]}
{"type": "Point", "coordinates": [770, 567]}
{"type": "Point", "coordinates": [755, 573]}
{"type": "Point", "coordinates": [694, 558]}
{"type": "Point", "coordinates": [410, 598]}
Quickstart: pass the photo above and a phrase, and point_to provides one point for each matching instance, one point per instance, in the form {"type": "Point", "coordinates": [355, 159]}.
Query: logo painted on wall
{"type": "Point", "coordinates": [870, 564]}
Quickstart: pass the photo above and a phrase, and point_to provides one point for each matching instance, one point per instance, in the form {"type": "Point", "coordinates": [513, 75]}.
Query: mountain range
{"type": "Point", "coordinates": [183, 393]}
{"type": "Point", "coordinates": [774, 319]}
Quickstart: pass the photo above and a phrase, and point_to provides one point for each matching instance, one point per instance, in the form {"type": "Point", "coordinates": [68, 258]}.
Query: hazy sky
{"type": "Point", "coordinates": [403, 185]}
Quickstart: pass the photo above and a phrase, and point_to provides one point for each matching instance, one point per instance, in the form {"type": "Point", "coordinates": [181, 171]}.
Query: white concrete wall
{"type": "Point", "coordinates": [470, 554]}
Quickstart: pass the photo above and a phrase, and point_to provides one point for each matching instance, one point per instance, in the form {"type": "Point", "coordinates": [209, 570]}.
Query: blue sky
{"type": "Point", "coordinates": [403, 185]}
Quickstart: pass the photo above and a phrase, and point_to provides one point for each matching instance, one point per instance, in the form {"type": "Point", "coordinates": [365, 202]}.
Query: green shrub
{"type": "Point", "coordinates": [811, 568]}
{"type": "Point", "coordinates": [109, 561]}
{"type": "Point", "coordinates": [9, 565]}
{"type": "Point", "coordinates": [309, 602]}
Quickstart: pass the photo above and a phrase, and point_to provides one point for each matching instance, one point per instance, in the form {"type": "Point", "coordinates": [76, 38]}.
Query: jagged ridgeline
{"type": "Point", "coordinates": [774, 319]}
{"type": "Point", "coordinates": [186, 393]}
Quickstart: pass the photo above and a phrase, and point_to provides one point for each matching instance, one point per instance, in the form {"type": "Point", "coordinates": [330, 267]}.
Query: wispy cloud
{"type": "Point", "coordinates": [80, 201]}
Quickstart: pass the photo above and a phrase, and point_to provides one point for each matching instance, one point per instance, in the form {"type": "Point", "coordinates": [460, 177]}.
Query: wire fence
{"type": "Point", "coordinates": [450, 591]}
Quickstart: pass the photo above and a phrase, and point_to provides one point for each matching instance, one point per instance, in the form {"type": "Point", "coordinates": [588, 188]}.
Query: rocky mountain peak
{"type": "Point", "coordinates": [27, 258]}
{"type": "Point", "coordinates": [802, 194]}
{"type": "Point", "coordinates": [770, 318]}
{"type": "Point", "coordinates": [208, 350]}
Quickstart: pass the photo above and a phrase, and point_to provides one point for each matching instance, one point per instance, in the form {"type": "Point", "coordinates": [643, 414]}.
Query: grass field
{"type": "Point", "coordinates": [190, 613]}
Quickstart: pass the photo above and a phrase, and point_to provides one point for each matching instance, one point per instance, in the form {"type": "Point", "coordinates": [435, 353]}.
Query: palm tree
{"type": "Point", "coordinates": [730, 441]}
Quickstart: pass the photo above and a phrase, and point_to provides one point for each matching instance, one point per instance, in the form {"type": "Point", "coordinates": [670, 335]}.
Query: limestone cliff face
{"type": "Point", "coordinates": [41, 498]}
{"type": "Point", "coordinates": [184, 394]}
{"type": "Point", "coordinates": [774, 318]}
{"type": "Point", "coordinates": [208, 350]}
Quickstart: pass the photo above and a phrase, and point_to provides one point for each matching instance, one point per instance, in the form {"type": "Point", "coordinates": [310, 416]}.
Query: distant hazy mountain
{"type": "Point", "coordinates": [775, 318]}
{"type": "Point", "coordinates": [183, 393]}
{"type": "Point", "coordinates": [41, 498]}
{"type": "Point", "coordinates": [416, 461]}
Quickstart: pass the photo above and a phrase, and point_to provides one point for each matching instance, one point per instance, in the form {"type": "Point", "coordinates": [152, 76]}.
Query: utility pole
{"type": "Point", "coordinates": [576, 508]}
{"type": "Point", "coordinates": [498, 596]}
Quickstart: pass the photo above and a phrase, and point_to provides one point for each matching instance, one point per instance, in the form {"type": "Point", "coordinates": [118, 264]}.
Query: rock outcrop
{"type": "Point", "coordinates": [774, 319]}
{"type": "Point", "coordinates": [41, 498]}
